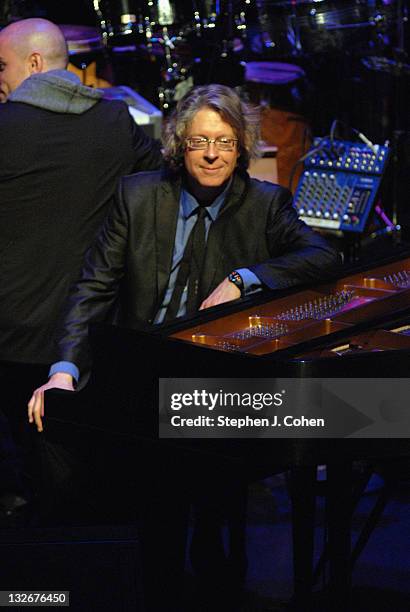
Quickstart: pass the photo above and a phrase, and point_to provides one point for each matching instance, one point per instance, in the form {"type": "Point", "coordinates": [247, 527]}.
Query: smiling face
{"type": "Point", "coordinates": [210, 167]}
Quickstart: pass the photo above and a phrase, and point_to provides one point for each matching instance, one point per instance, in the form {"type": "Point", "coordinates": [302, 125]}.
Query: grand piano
{"type": "Point", "coordinates": [355, 326]}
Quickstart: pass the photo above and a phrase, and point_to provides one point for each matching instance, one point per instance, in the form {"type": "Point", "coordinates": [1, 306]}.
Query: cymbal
{"type": "Point", "coordinates": [275, 73]}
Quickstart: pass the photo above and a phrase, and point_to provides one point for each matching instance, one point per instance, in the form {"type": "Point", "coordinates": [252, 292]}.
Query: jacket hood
{"type": "Point", "coordinates": [59, 91]}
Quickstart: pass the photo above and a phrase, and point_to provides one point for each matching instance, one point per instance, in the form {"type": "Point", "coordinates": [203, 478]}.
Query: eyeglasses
{"type": "Point", "coordinates": [201, 142]}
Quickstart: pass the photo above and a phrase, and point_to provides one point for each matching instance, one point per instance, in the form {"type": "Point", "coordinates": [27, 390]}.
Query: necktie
{"type": "Point", "coordinates": [190, 269]}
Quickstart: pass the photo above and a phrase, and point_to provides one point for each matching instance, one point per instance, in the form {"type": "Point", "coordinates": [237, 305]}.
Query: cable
{"type": "Point", "coordinates": [333, 150]}
{"type": "Point", "coordinates": [318, 148]}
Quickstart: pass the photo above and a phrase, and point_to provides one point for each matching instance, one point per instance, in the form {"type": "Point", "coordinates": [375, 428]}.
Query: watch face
{"type": "Point", "coordinates": [236, 279]}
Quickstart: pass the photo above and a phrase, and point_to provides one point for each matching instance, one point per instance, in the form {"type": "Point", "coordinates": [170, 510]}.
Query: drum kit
{"type": "Point", "coordinates": [201, 41]}
{"type": "Point", "coordinates": [179, 36]}
{"type": "Point", "coordinates": [188, 42]}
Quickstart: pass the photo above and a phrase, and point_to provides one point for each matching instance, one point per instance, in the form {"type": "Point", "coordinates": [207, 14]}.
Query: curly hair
{"type": "Point", "coordinates": [243, 119]}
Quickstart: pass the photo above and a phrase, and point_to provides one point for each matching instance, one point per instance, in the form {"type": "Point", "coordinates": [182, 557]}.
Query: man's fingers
{"type": "Point", "coordinates": [39, 410]}
{"type": "Point", "coordinates": [36, 409]}
{"type": "Point", "coordinates": [208, 303]}
{"type": "Point", "coordinates": [30, 406]}
{"type": "Point", "coordinates": [224, 292]}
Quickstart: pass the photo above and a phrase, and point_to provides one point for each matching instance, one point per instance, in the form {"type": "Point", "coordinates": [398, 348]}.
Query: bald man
{"type": "Point", "coordinates": [28, 47]}
{"type": "Point", "coordinates": [63, 150]}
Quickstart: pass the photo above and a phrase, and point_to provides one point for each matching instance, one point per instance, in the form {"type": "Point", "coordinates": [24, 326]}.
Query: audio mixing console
{"type": "Point", "coordinates": [339, 184]}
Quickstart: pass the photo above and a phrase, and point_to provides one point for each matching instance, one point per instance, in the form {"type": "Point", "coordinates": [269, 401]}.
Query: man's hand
{"type": "Point", "coordinates": [225, 292]}
{"type": "Point", "coordinates": [59, 380]}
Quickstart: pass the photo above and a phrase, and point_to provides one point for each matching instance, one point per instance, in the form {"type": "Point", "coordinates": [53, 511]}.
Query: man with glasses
{"type": "Point", "coordinates": [198, 234]}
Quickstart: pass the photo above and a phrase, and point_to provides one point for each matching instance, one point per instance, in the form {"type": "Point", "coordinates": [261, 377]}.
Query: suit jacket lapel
{"type": "Point", "coordinates": [166, 218]}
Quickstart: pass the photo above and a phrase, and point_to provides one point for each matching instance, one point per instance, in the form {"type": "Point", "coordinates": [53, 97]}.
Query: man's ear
{"type": "Point", "coordinates": [36, 63]}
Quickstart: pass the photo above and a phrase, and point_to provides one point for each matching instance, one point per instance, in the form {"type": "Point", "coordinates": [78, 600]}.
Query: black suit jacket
{"type": "Point", "coordinates": [131, 261]}
{"type": "Point", "coordinates": [58, 175]}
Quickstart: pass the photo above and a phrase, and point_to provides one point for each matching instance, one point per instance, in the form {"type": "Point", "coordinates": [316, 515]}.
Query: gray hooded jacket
{"type": "Point", "coordinates": [59, 91]}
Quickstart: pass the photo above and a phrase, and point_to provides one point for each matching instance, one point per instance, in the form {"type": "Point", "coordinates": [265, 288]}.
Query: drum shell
{"type": "Point", "coordinates": [281, 92]}
{"type": "Point", "coordinates": [121, 22]}
{"type": "Point", "coordinates": [210, 21]}
{"type": "Point", "coordinates": [323, 26]}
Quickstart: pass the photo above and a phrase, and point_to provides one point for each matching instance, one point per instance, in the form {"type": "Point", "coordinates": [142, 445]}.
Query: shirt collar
{"type": "Point", "coordinates": [190, 204]}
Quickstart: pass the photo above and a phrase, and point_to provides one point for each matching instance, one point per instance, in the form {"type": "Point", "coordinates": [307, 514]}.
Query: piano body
{"type": "Point", "coordinates": [358, 327]}
{"type": "Point", "coordinates": [355, 326]}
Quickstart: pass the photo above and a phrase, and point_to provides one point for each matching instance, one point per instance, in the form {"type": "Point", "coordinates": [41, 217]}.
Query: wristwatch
{"type": "Point", "coordinates": [235, 278]}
